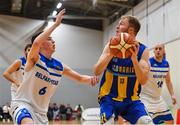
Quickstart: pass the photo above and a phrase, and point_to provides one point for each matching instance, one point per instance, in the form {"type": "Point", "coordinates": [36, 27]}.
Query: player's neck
{"type": "Point", "coordinates": [158, 59]}
{"type": "Point", "coordinates": [46, 54]}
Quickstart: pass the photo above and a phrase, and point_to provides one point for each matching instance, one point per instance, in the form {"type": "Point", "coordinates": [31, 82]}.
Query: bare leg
{"type": "Point", "coordinates": [27, 121]}
{"type": "Point", "coordinates": [169, 122]}
{"type": "Point", "coordinates": [120, 120]}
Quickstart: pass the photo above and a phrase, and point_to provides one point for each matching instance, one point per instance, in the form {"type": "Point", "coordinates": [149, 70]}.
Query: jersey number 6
{"type": "Point", "coordinates": [42, 91]}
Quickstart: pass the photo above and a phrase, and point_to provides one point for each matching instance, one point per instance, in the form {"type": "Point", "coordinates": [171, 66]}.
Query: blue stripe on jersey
{"type": "Point", "coordinates": [23, 60]}
{"type": "Point", "coordinates": [130, 88]}
{"type": "Point", "coordinates": [113, 91]}
{"type": "Point", "coordinates": [159, 112]}
{"type": "Point", "coordinates": [122, 74]}
{"type": "Point", "coordinates": [162, 118]}
{"type": "Point", "coordinates": [155, 64]}
{"type": "Point", "coordinates": [22, 68]}
{"type": "Point", "coordinates": [52, 63]}
{"type": "Point", "coordinates": [45, 69]}
{"type": "Point", "coordinates": [158, 71]}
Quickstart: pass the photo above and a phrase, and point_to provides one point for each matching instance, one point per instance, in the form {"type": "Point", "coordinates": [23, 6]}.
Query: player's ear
{"type": "Point", "coordinates": [131, 30]}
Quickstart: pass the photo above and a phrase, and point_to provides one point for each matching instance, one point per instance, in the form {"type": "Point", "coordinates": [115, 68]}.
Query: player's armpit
{"type": "Point", "coordinates": [103, 61]}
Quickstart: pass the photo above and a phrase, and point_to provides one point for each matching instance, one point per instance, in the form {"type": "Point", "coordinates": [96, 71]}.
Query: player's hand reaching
{"type": "Point", "coordinates": [94, 80]}
{"type": "Point", "coordinates": [173, 99]}
{"type": "Point", "coordinates": [59, 17]}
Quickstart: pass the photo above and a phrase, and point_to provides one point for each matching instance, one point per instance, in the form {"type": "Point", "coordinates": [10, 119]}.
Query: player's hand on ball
{"type": "Point", "coordinates": [134, 50]}
{"type": "Point", "coordinates": [120, 45]}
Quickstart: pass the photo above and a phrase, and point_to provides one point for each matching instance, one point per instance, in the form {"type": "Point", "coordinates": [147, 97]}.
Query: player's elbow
{"type": "Point", "coordinates": [143, 83]}
{"type": "Point", "coordinates": [36, 43]}
{"type": "Point", "coordinates": [5, 74]}
{"type": "Point", "coordinates": [96, 73]}
{"type": "Point", "coordinates": [96, 70]}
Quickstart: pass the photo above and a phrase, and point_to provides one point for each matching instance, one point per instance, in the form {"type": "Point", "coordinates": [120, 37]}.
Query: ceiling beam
{"type": "Point", "coordinates": [114, 3]}
{"type": "Point", "coordinates": [79, 17]}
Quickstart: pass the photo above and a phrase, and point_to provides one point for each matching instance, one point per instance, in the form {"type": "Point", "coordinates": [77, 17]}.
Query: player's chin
{"type": "Point", "coordinates": [53, 50]}
{"type": "Point", "coordinates": [117, 33]}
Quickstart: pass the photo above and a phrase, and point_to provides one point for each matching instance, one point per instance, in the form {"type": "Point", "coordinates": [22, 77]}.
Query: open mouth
{"type": "Point", "coordinates": [54, 47]}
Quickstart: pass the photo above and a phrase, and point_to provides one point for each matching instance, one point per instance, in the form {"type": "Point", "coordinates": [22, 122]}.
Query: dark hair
{"type": "Point", "coordinates": [27, 46]}
{"type": "Point", "coordinates": [35, 36]}
{"type": "Point", "coordinates": [133, 22]}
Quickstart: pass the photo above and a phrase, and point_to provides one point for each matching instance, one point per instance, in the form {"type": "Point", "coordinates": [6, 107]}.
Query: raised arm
{"type": "Point", "coordinates": [103, 61]}
{"type": "Point", "coordinates": [142, 67]}
{"type": "Point", "coordinates": [12, 68]}
{"type": "Point", "coordinates": [33, 55]}
{"type": "Point", "coordinates": [170, 88]}
{"type": "Point", "coordinates": [85, 79]}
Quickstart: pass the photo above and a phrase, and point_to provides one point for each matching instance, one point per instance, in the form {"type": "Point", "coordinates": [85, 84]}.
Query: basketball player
{"type": "Point", "coordinates": [151, 91]}
{"type": "Point", "coordinates": [14, 73]}
{"type": "Point", "coordinates": [122, 78]}
{"type": "Point", "coordinates": [41, 77]}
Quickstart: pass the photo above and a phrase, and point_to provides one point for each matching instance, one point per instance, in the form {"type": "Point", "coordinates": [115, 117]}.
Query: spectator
{"type": "Point", "coordinates": [1, 114]}
{"type": "Point", "coordinates": [69, 112]}
{"type": "Point", "coordinates": [6, 115]}
{"type": "Point", "coordinates": [79, 109]}
{"type": "Point", "coordinates": [62, 112]}
{"type": "Point", "coordinates": [55, 111]}
{"type": "Point", "coordinates": [50, 112]}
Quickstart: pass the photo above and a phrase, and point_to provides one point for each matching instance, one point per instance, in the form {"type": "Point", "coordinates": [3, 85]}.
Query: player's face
{"type": "Point", "coordinates": [122, 26]}
{"type": "Point", "coordinates": [159, 51]}
{"type": "Point", "coordinates": [50, 44]}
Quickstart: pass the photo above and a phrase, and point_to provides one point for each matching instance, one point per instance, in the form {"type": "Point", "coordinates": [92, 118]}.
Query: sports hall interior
{"type": "Point", "coordinates": [80, 40]}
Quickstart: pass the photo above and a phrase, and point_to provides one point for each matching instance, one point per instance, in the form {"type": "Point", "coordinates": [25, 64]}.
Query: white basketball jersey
{"type": "Point", "coordinates": [156, 78]}
{"type": "Point", "coordinates": [40, 83]}
{"type": "Point", "coordinates": [18, 76]}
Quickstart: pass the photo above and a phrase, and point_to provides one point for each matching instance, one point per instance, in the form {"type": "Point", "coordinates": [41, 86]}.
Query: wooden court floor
{"type": "Point", "coordinates": [76, 122]}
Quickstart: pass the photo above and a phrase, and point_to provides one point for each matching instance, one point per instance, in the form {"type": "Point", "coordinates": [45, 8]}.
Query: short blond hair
{"type": "Point", "coordinates": [133, 22]}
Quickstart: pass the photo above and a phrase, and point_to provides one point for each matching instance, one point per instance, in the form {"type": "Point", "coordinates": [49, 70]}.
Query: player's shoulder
{"type": "Point", "coordinates": [142, 45]}
{"type": "Point", "coordinates": [151, 59]}
{"type": "Point", "coordinates": [23, 60]}
{"type": "Point", "coordinates": [165, 62]}
{"type": "Point", "coordinates": [142, 49]}
{"type": "Point", "coordinates": [153, 62]}
{"type": "Point", "coordinates": [51, 63]}
{"type": "Point", "coordinates": [57, 63]}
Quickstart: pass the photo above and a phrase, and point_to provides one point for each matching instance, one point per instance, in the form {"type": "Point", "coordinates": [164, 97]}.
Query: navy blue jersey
{"type": "Point", "coordinates": [119, 80]}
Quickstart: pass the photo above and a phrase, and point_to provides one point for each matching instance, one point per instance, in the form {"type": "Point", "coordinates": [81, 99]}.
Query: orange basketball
{"type": "Point", "coordinates": [120, 45]}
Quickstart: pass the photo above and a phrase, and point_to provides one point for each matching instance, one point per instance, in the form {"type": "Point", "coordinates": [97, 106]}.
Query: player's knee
{"type": "Point", "coordinates": [145, 120]}
{"type": "Point", "coordinates": [105, 117]}
{"type": "Point", "coordinates": [23, 115]}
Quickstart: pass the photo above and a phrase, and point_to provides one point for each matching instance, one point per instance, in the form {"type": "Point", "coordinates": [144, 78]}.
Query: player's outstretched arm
{"type": "Point", "coordinates": [170, 88]}
{"type": "Point", "coordinates": [142, 67]}
{"type": "Point", "coordinates": [103, 61]}
{"type": "Point", "coordinates": [33, 55]}
{"type": "Point", "coordinates": [12, 68]}
{"type": "Point", "coordinates": [85, 79]}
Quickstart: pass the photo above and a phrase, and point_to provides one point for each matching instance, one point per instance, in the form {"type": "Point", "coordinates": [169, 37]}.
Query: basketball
{"type": "Point", "coordinates": [120, 45]}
